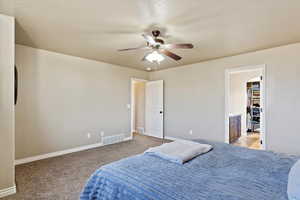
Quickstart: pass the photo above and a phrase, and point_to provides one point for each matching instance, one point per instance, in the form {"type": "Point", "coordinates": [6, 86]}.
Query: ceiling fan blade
{"type": "Point", "coordinates": [136, 48]}
{"type": "Point", "coordinates": [149, 39]}
{"type": "Point", "coordinates": [178, 46]}
{"type": "Point", "coordinates": [170, 54]}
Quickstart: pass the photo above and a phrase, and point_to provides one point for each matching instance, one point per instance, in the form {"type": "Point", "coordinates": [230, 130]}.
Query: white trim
{"type": "Point", "coordinates": [127, 139]}
{"type": "Point", "coordinates": [227, 97]}
{"type": "Point", "coordinates": [263, 122]}
{"type": "Point", "coordinates": [132, 106]}
{"type": "Point", "coordinates": [8, 191]}
{"type": "Point", "coordinates": [227, 101]}
{"type": "Point", "coordinates": [63, 152]}
{"type": "Point", "coordinates": [152, 135]}
{"type": "Point", "coordinates": [57, 153]}
{"type": "Point", "coordinates": [173, 138]}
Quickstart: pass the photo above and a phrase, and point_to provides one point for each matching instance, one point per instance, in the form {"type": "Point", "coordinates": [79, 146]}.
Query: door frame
{"type": "Point", "coordinates": [263, 124]}
{"type": "Point", "coordinates": [132, 103]}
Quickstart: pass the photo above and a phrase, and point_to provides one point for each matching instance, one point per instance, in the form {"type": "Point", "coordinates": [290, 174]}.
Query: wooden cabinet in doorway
{"type": "Point", "coordinates": [234, 128]}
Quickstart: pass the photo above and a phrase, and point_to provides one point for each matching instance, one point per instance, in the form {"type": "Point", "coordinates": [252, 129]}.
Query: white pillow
{"type": "Point", "coordinates": [179, 151]}
{"type": "Point", "coordinates": [293, 189]}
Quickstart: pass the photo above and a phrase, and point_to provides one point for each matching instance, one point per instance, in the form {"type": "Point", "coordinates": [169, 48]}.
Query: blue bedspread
{"type": "Point", "coordinates": [225, 173]}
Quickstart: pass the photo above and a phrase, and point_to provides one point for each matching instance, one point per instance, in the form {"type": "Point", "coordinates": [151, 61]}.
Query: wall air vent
{"type": "Point", "coordinates": [113, 139]}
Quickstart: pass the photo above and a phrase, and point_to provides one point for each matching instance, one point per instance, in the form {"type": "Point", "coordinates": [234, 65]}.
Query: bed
{"type": "Point", "coordinates": [225, 173]}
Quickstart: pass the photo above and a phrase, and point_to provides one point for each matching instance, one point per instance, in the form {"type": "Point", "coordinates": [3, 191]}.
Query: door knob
{"type": "Point", "coordinates": [161, 112]}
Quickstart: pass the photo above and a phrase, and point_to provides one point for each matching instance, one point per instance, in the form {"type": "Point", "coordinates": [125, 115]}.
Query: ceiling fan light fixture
{"type": "Point", "coordinates": [159, 49]}
{"type": "Point", "coordinates": [154, 57]}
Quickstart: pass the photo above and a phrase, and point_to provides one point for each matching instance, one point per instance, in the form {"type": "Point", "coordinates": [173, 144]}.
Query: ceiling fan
{"type": "Point", "coordinates": [158, 47]}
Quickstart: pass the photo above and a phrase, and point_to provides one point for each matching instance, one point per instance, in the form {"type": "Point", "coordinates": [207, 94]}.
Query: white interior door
{"type": "Point", "coordinates": [154, 108]}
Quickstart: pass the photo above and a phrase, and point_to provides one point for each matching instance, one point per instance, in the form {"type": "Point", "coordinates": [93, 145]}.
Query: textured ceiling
{"type": "Point", "coordinates": [95, 29]}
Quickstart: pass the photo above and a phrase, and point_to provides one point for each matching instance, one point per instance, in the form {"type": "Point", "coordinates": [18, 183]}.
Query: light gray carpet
{"type": "Point", "coordinates": [64, 177]}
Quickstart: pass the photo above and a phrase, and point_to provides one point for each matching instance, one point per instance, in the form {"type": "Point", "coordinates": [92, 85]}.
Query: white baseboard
{"type": "Point", "coordinates": [57, 153]}
{"type": "Point", "coordinates": [60, 153]}
{"type": "Point", "coordinates": [8, 191]}
{"type": "Point", "coordinates": [172, 138]}
{"type": "Point", "coordinates": [152, 135]}
{"type": "Point", "coordinates": [128, 138]}
{"type": "Point", "coordinates": [166, 137]}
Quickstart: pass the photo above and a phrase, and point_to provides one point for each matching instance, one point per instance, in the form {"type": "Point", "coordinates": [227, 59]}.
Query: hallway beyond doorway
{"type": "Point", "coordinates": [244, 106]}
{"type": "Point", "coordinates": [251, 141]}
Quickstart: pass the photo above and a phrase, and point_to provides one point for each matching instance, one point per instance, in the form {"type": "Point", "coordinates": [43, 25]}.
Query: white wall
{"type": "Point", "coordinates": [7, 7]}
{"type": "Point", "coordinates": [194, 97]}
{"type": "Point", "coordinates": [62, 98]}
{"type": "Point", "coordinates": [7, 143]}
{"type": "Point", "coordinates": [238, 95]}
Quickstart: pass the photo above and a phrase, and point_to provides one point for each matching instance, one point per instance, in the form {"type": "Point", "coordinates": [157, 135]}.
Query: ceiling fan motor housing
{"type": "Point", "coordinates": [155, 33]}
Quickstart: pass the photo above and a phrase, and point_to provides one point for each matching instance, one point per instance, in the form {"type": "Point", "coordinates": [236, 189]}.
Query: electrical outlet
{"type": "Point", "coordinates": [191, 132]}
{"type": "Point", "coordinates": [88, 135]}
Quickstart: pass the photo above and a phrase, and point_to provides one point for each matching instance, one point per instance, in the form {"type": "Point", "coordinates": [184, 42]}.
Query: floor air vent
{"type": "Point", "coordinates": [113, 139]}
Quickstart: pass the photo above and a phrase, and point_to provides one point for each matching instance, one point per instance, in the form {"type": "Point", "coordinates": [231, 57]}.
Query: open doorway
{"type": "Point", "coordinates": [245, 119]}
{"type": "Point", "coordinates": [138, 101]}
{"type": "Point", "coordinates": [147, 108]}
